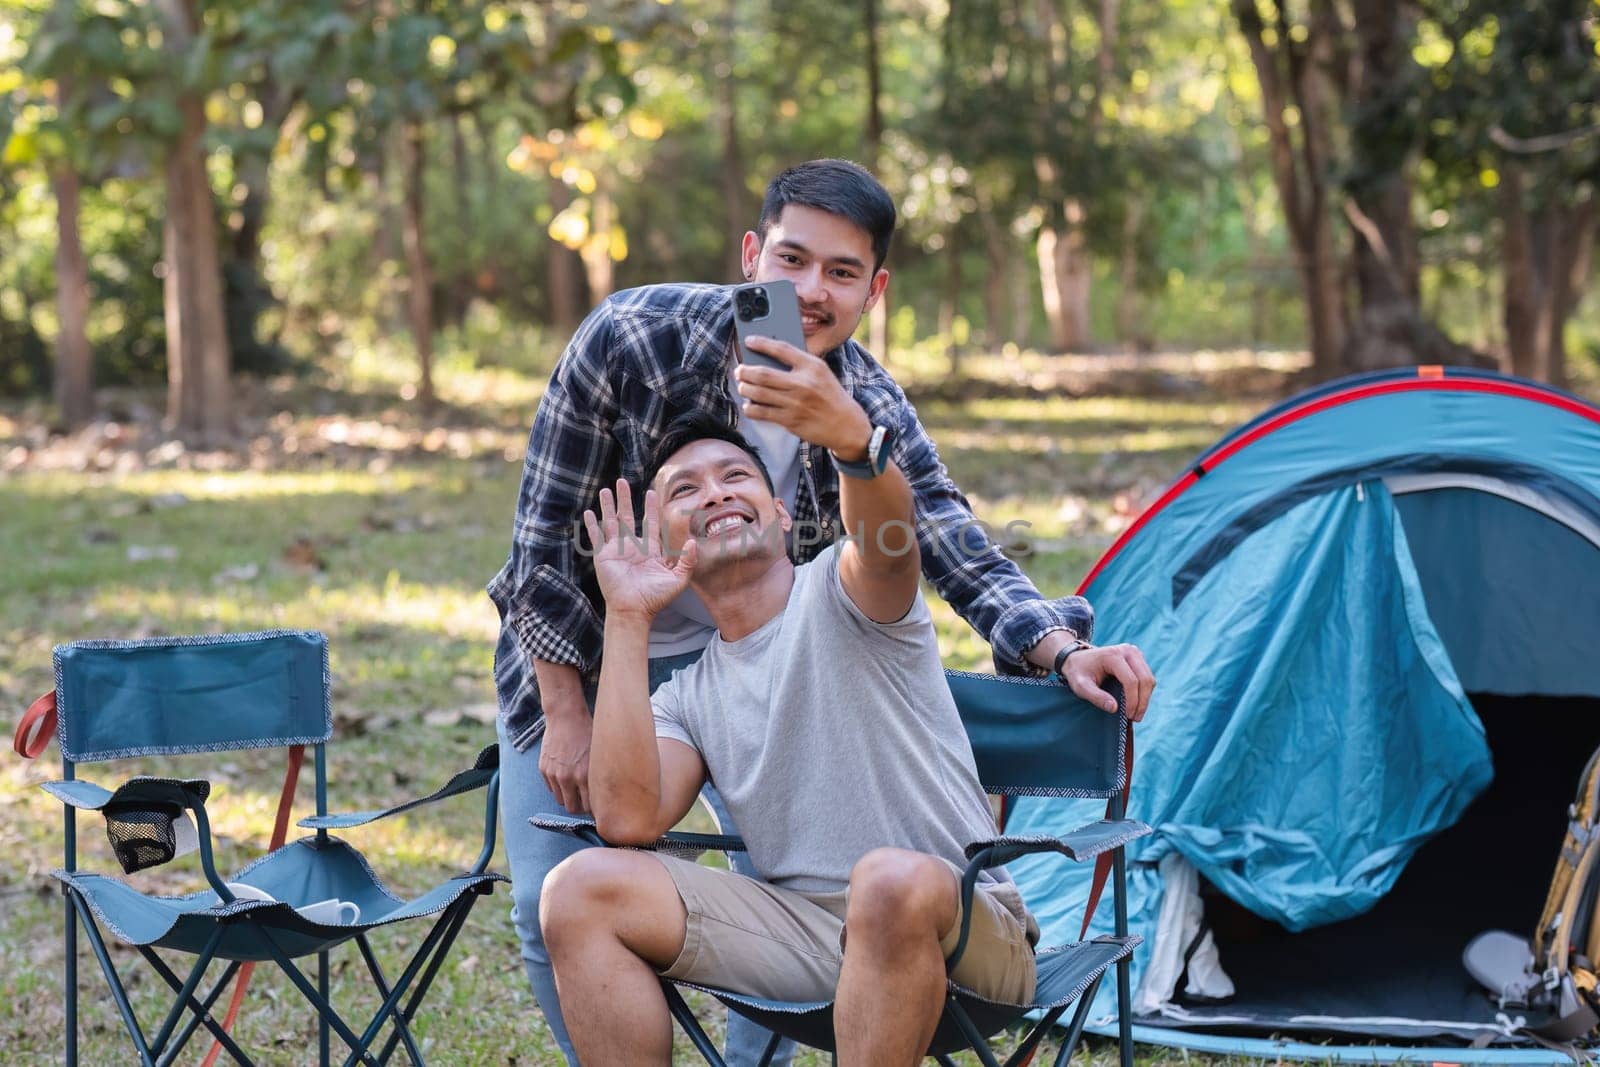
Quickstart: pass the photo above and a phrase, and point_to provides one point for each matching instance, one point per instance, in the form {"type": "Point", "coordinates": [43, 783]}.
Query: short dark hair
{"type": "Point", "coordinates": [838, 187]}
{"type": "Point", "coordinates": [685, 430]}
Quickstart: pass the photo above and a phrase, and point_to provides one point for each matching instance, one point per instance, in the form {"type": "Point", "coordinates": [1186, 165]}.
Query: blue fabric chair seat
{"type": "Point", "coordinates": [302, 872]}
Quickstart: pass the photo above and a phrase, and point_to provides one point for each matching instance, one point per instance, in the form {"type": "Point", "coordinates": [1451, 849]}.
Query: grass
{"type": "Point", "coordinates": [350, 513]}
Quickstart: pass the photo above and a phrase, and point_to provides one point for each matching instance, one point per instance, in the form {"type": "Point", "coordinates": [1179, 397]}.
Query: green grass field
{"type": "Point", "coordinates": [350, 513]}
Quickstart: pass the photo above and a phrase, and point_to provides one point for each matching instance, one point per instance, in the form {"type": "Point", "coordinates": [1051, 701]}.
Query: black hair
{"type": "Point", "coordinates": [685, 430]}
{"type": "Point", "coordinates": [838, 187]}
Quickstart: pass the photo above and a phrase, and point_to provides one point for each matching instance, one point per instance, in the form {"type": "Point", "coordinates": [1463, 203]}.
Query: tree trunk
{"type": "Point", "coordinates": [1572, 246]}
{"type": "Point", "coordinates": [1390, 329]}
{"type": "Point", "coordinates": [490, 165]}
{"type": "Point", "coordinates": [1300, 170]}
{"type": "Point", "coordinates": [950, 302]}
{"type": "Point", "coordinates": [878, 317]}
{"type": "Point", "coordinates": [419, 272]}
{"type": "Point", "coordinates": [1064, 279]}
{"type": "Point", "coordinates": [1129, 330]}
{"type": "Point", "coordinates": [733, 177]}
{"type": "Point", "coordinates": [1522, 283]}
{"type": "Point", "coordinates": [598, 268]}
{"type": "Point", "coordinates": [74, 376]}
{"type": "Point", "coordinates": [199, 363]}
{"type": "Point", "coordinates": [994, 288]}
{"type": "Point", "coordinates": [561, 270]}
{"type": "Point", "coordinates": [463, 274]}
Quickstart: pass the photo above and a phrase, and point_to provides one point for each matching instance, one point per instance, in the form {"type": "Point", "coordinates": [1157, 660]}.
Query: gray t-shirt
{"type": "Point", "coordinates": [829, 735]}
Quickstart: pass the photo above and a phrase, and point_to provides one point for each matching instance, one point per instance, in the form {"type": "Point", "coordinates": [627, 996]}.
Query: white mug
{"type": "Point", "coordinates": [331, 912]}
{"type": "Point", "coordinates": [242, 891]}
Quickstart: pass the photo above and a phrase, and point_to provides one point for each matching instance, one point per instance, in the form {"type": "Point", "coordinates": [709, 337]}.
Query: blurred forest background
{"type": "Point", "coordinates": [194, 190]}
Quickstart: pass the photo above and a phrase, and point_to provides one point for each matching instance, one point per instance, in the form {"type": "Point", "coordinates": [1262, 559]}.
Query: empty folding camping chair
{"type": "Point", "coordinates": [186, 695]}
{"type": "Point", "coordinates": [1030, 737]}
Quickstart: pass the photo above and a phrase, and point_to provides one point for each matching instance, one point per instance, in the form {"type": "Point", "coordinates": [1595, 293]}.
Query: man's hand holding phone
{"type": "Point", "coordinates": [806, 399]}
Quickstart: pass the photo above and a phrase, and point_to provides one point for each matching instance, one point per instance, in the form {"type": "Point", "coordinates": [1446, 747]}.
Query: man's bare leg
{"type": "Point", "coordinates": [611, 921]}
{"type": "Point", "coordinates": [892, 983]}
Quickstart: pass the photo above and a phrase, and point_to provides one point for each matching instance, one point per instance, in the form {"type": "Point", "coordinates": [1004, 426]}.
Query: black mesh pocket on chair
{"type": "Point", "coordinates": [144, 836]}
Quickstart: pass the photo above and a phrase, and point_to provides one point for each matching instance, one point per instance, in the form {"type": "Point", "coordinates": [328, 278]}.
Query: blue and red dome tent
{"type": "Point", "coordinates": [1374, 614]}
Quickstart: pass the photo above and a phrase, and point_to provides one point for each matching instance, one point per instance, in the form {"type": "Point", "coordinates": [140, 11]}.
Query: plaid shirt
{"type": "Point", "coordinates": [642, 358]}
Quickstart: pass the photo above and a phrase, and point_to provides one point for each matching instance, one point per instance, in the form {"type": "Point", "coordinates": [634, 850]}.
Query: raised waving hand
{"type": "Point", "coordinates": [635, 572]}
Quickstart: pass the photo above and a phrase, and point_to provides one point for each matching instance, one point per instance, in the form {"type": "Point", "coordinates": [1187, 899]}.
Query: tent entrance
{"type": "Point", "coordinates": [1396, 970]}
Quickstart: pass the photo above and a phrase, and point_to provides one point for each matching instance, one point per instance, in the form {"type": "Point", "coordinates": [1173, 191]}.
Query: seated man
{"type": "Point", "coordinates": [823, 683]}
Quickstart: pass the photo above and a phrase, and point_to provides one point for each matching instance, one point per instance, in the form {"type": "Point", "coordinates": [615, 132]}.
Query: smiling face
{"type": "Point", "coordinates": [829, 259]}
{"type": "Point", "coordinates": [712, 491]}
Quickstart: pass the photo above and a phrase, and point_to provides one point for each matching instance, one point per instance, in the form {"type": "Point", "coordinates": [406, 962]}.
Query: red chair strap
{"type": "Point", "coordinates": [37, 727]}
{"type": "Point", "coordinates": [1104, 861]}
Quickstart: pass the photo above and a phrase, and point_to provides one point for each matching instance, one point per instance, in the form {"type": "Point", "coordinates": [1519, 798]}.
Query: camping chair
{"type": "Point", "coordinates": [1031, 737]}
{"type": "Point", "coordinates": [170, 696]}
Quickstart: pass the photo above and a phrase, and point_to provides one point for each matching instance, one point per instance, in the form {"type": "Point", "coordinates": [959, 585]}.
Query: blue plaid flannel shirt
{"type": "Point", "coordinates": [642, 358]}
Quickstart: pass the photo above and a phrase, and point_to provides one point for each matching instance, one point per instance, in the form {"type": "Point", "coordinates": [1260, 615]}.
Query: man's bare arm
{"type": "Point", "coordinates": [880, 565]}
{"type": "Point", "coordinates": [639, 785]}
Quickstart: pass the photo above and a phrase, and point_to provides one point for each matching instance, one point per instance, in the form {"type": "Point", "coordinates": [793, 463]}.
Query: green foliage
{"type": "Point", "coordinates": [533, 114]}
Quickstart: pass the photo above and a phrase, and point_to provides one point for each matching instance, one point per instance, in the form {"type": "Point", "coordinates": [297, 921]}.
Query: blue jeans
{"type": "Point", "coordinates": [532, 853]}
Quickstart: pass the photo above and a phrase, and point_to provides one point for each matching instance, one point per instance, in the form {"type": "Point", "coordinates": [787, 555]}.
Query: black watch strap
{"type": "Point", "coordinates": [1060, 665]}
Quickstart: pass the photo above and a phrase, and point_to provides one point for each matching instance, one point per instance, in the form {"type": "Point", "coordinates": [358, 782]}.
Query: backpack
{"type": "Point", "coordinates": [1555, 974]}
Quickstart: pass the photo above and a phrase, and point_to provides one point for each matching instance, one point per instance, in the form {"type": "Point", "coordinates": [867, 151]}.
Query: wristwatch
{"type": "Point", "coordinates": [1061, 657]}
{"type": "Point", "coordinates": [879, 447]}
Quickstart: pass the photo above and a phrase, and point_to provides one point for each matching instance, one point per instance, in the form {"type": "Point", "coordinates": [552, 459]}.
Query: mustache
{"type": "Point", "coordinates": [825, 317]}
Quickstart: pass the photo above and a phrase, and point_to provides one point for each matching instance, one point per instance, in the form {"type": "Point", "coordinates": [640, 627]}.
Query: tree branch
{"type": "Point", "coordinates": [1549, 142]}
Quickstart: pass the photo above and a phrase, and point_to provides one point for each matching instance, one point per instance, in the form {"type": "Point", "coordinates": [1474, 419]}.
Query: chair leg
{"type": "Point", "coordinates": [70, 979]}
{"type": "Point", "coordinates": [402, 1031]}
{"type": "Point", "coordinates": [118, 993]}
{"type": "Point", "coordinates": [1079, 1017]}
{"type": "Point", "coordinates": [358, 1051]}
{"type": "Point", "coordinates": [200, 1012]}
{"type": "Point", "coordinates": [691, 1026]}
{"type": "Point", "coordinates": [1023, 1053]}
{"type": "Point", "coordinates": [324, 1051]}
{"type": "Point", "coordinates": [429, 955]}
{"type": "Point", "coordinates": [770, 1051]}
{"type": "Point", "coordinates": [1124, 1015]}
{"type": "Point", "coordinates": [969, 1030]}
{"type": "Point", "coordinates": [185, 992]}
{"type": "Point", "coordinates": [414, 1002]}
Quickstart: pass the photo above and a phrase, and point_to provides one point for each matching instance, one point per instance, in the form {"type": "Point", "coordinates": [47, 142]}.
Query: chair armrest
{"type": "Point", "coordinates": [477, 776]}
{"type": "Point", "coordinates": [180, 792]}
{"type": "Point", "coordinates": [1084, 843]}
{"type": "Point", "coordinates": [146, 821]}
{"type": "Point", "coordinates": [675, 842]}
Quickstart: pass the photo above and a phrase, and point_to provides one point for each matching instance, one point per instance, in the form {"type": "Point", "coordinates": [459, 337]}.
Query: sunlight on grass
{"type": "Point", "coordinates": [1153, 440]}
{"type": "Point", "coordinates": [1063, 411]}
{"type": "Point", "coordinates": [447, 611]}
{"type": "Point", "coordinates": [228, 485]}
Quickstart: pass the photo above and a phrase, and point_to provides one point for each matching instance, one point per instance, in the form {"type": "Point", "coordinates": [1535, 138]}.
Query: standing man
{"type": "Point", "coordinates": [648, 355]}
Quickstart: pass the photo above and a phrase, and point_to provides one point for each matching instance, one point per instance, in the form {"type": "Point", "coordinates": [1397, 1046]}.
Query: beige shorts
{"type": "Point", "coordinates": [749, 937]}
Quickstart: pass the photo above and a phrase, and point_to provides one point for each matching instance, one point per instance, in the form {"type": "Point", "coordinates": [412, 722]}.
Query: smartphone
{"type": "Point", "coordinates": [766, 309]}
